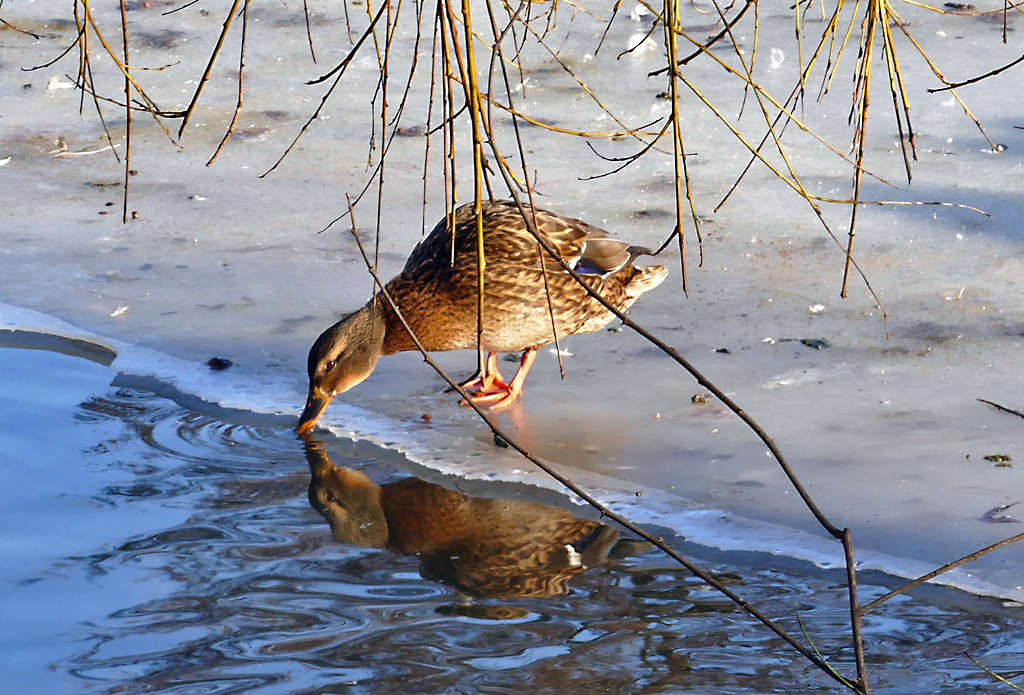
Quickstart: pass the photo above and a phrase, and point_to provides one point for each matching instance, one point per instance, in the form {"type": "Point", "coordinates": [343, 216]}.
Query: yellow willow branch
{"type": "Point", "coordinates": [120, 64]}
{"type": "Point", "coordinates": [787, 112]}
{"type": "Point", "coordinates": [209, 67]}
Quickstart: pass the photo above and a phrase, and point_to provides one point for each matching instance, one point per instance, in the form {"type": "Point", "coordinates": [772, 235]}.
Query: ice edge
{"type": "Point", "coordinates": [473, 460]}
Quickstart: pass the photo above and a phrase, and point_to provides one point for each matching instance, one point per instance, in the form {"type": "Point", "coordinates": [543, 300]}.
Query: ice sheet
{"type": "Point", "coordinates": [886, 434]}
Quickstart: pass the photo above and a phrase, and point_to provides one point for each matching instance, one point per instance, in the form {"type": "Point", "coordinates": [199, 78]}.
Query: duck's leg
{"type": "Point", "coordinates": [487, 382]}
{"type": "Point", "coordinates": [473, 381]}
{"type": "Point", "coordinates": [500, 398]}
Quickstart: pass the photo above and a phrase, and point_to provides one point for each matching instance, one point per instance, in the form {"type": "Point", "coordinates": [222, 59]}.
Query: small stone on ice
{"type": "Point", "coordinates": [816, 308]}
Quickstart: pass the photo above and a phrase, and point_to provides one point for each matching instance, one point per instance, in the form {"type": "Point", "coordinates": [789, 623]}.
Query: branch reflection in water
{"type": "Point", "coordinates": [488, 547]}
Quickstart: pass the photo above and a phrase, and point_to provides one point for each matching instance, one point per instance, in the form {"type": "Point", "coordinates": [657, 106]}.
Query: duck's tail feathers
{"type": "Point", "coordinates": [635, 251]}
{"type": "Point", "coordinates": [647, 277]}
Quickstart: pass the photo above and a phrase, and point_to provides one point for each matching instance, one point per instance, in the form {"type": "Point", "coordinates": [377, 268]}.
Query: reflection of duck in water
{"type": "Point", "coordinates": [487, 546]}
{"type": "Point", "coordinates": [437, 294]}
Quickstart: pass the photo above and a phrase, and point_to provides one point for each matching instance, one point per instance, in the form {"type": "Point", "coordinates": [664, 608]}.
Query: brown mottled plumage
{"type": "Point", "coordinates": [487, 546]}
{"type": "Point", "coordinates": [437, 294]}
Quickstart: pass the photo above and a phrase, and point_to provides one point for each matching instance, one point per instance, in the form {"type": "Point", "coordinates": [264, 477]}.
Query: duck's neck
{"type": "Point", "coordinates": [372, 324]}
{"type": "Point", "coordinates": [395, 338]}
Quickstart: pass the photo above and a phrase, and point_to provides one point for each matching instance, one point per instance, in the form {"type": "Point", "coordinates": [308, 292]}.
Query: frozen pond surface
{"type": "Point", "coordinates": [886, 434]}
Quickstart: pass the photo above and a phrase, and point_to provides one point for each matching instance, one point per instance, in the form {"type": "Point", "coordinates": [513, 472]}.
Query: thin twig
{"type": "Point", "coordinates": [706, 46]}
{"type": "Point", "coordinates": [992, 673]}
{"type": "Point", "coordinates": [340, 71]}
{"type": "Point", "coordinates": [309, 32]}
{"type": "Point", "coordinates": [855, 612]}
{"type": "Point", "coordinates": [700, 378]}
{"type": "Point", "coordinates": [497, 57]}
{"type": "Point", "coordinates": [209, 66]}
{"type": "Point", "coordinates": [582, 494]}
{"type": "Point", "coordinates": [1018, 413]}
{"type": "Point", "coordinates": [123, 67]}
{"type": "Point", "coordinates": [942, 570]}
{"type": "Point", "coordinates": [991, 73]}
{"type": "Point", "coordinates": [608, 26]}
{"type": "Point", "coordinates": [241, 83]}
{"type": "Point", "coordinates": [78, 38]}
{"type": "Point", "coordinates": [128, 115]}
{"type": "Point", "coordinates": [85, 79]}
{"type": "Point", "coordinates": [678, 150]}
{"type": "Point", "coordinates": [23, 31]}
{"type": "Point", "coordinates": [179, 9]}
{"type": "Point", "coordinates": [472, 88]}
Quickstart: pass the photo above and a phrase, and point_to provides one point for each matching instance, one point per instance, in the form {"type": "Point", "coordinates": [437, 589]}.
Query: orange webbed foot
{"type": "Point", "coordinates": [498, 395]}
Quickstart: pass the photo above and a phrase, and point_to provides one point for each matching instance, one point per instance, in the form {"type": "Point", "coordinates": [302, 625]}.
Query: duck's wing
{"type": "Point", "coordinates": [584, 247]}
{"type": "Point", "coordinates": [509, 243]}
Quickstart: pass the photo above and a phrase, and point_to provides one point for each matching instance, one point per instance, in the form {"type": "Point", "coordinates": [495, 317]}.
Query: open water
{"type": "Point", "coordinates": [152, 547]}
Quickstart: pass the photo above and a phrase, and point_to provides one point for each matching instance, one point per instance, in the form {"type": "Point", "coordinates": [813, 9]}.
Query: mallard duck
{"type": "Point", "coordinates": [437, 295]}
{"type": "Point", "coordinates": [488, 546]}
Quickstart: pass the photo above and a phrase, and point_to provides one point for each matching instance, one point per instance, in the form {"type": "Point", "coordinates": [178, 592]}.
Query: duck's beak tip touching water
{"type": "Point", "coordinates": [316, 403]}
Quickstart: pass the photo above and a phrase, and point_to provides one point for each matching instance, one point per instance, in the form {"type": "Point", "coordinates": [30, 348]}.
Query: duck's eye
{"type": "Point", "coordinates": [330, 365]}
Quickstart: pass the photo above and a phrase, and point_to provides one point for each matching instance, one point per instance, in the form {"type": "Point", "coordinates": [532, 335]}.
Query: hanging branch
{"type": "Point", "coordinates": [1018, 413]}
{"type": "Point", "coordinates": [74, 44]}
{"type": "Point", "coordinates": [991, 73]}
{"type": "Point", "coordinates": [473, 100]}
{"type": "Point", "coordinates": [384, 63]}
{"type": "Point", "coordinates": [309, 32]}
{"type": "Point", "coordinates": [84, 77]}
{"type": "Point", "coordinates": [844, 536]}
{"type": "Point", "coordinates": [209, 66]}
{"type": "Point", "coordinates": [938, 73]}
{"type": "Point", "coordinates": [20, 30]}
{"type": "Point", "coordinates": [497, 57]}
{"type": "Point", "coordinates": [583, 85]}
{"type": "Point", "coordinates": [706, 46]}
{"type": "Point", "coordinates": [855, 611]}
{"type": "Point", "coordinates": [391, 135]}
{"type": "Point", "coordinates": [241, 81]}
{"type": "Point", "coordinates": [127, 114]}
{"type": "Point", "coordinates": [942, 570]}
{"type": "Point", "coordinates": [339, 70]}
{"type": "Point", "coordinates": [582, 494]}
{"type": "Point", "coordinates": [678, 151]}
{"type": "Point", "coordinates": [685, 364]}
{"type": "Point", "coordinates": [123, 67]}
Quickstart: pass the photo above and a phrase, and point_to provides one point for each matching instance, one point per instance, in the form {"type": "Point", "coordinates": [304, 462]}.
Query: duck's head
{"type": "Point", "coordinates": [344, 355]}
{"type": "Point", "coordinates": [347, 498]}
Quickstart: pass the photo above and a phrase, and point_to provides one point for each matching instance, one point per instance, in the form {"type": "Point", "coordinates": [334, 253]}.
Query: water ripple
{"type": "Point", "coordinates": [246, 591]}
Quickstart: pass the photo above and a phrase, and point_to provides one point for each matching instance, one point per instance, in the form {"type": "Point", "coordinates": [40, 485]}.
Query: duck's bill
{"type": "Point", "coordinates": [316, 404]}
